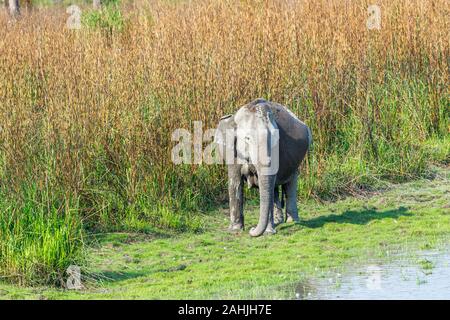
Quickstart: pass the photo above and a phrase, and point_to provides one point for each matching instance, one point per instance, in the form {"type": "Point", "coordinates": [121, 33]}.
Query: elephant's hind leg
{"type": "Point", "coordinates": [276, 217]}
{"type": "Point", "coordinates": [270, 229]}
{"type": "Point", "coordinates": [278, 210]}
{"type": "Point", "coordinates": [291, 199]}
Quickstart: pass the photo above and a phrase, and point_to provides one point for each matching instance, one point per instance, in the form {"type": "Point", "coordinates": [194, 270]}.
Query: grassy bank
{"type": "Point", "coordinates": [86, 115]}
{"type": "Point", "coordinates": [217, 264]}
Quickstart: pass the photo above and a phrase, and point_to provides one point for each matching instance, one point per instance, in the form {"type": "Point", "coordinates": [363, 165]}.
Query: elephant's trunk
{"type": "Point", "coordinates": [266, 196]}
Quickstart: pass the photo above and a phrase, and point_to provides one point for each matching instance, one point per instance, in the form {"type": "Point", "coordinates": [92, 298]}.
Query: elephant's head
{"type": "Point", "coordinates": [250, 137]}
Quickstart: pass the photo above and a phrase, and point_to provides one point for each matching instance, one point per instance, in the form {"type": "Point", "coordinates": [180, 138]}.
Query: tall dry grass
{"type": "Point", "coordinates": [87, 115]}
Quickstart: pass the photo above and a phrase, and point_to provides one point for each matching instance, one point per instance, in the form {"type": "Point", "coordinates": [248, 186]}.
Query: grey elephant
{"type": "Point", "coordinates": [263, 144]}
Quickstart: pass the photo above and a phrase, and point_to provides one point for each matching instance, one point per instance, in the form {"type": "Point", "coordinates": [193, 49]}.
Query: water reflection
{"type": "Point", "coordinates": [424, 277]}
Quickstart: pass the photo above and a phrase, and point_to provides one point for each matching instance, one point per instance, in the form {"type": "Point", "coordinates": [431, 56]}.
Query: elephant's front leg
{"type": "Point", "coordinates": [236, 196]}
{"type": "Point", "coordinates": [291, 199]}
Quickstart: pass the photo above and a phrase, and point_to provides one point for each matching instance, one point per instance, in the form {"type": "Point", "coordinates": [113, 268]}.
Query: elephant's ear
{"type": "Point", "coordinates": [225, 138]}
{"type": "Point", "coordinates": [219, 137]}
{"type": "Point", "coordinates": [226, 117]}
{"type": "Point", "coordinates": [225, 123]}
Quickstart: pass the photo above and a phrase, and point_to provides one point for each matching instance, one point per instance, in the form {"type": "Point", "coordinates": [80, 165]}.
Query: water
{"type": "Point", "coordinates": [424, 277]}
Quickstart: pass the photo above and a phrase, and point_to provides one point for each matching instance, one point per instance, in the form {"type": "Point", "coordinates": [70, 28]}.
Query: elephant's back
{"type": "Point", "coordinates": [295, 139]}
{"type": "Point", "coordinates": [284, 117]}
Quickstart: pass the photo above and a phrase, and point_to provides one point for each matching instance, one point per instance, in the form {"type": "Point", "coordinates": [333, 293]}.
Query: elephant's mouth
{"type": "Point", "coordinates": [250, 175]}
{"type": "Point", "coordinates": [252, 181]}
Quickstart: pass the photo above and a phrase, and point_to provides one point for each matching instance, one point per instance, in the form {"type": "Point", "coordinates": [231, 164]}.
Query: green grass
{"type": "Point", "coordinates": [39, 239]}
{"type": "Point", "coordinates": [109, 19]}
{"type": "Point", "coordinates": [218, 264]}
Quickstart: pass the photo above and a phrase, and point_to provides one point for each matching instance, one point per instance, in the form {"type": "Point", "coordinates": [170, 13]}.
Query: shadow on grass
{"type": "Point", "coordinates": [116, 276]}
{"type": "Point", "coordinates": [360, 217]}
{"type": "Point", "coordinates": [113, 276]}
{"type": "Point", "coordinates": [116, 238]}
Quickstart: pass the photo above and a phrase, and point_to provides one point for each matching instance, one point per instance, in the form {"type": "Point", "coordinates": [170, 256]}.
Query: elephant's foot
{"type": "Point", "coordinates": [270, 230]}
{"type": "Point", "coordinates": [236, 227]}
{"type": "Point", "coordinates": [278, 216]}
{"type": "Point", "coordinates": [253, 232]}
{"type": "Point", "coordinates": [292, 218]}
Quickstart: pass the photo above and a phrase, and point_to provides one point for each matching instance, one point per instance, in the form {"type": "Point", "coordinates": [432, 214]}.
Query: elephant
{"type": "Point", "coordinates": [263, 144]}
